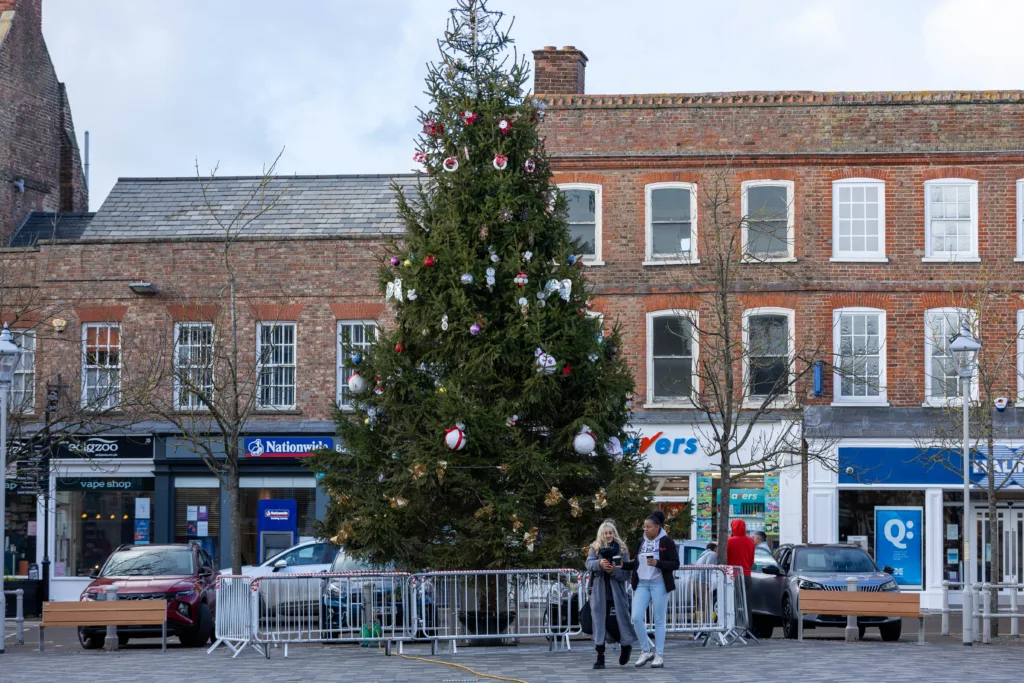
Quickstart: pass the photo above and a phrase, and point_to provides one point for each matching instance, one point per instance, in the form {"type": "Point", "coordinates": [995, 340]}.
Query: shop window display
{"type": "Point", "coordinates": [20, 538]}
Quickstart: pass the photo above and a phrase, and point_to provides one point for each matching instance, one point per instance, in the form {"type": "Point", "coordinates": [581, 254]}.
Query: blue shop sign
{"type": "Point", "coordinates": [898, 543]}
{"type": "Point", "coordinates": [925, 466]}
{"type": "Point", "coordinates": [286, 446]}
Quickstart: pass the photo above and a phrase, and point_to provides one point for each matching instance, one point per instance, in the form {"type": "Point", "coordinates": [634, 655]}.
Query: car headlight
{"type": "Point", "coordinates": [889, 585]}
{"type": "Point", "coordinates": [185, 594]}
{"type": "Point", "coordinates": [804, 584]}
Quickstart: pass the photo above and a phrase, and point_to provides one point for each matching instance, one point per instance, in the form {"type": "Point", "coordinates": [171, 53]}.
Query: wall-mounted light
{"type": "Point", "coordinates": [142, 287]}
{"type": "Point", "coordinates": [59, 324]}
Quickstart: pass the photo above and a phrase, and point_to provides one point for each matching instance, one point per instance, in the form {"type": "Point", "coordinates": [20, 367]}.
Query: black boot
{"type": "Point", "coordinates": [627, 650]}
{"type": "Point", "coordinates": [599, 664]}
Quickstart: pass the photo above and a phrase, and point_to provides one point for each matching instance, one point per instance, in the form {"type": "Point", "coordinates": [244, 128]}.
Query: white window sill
{"type": "Point", "coordinates": [676, 405]}
{"type": "Point", "coordinates": [860, 404]}
{"type": "Point", "coordinates": [951, 259]}
{"type": "Point", "coordinates": [859, 259]}
{"type": "Point", "coordinates": [672, 262]}
{"type": "Point", "coordinates": [588, 262]}
{"type": "Point", "coordinates": [781, 403]}
{"type": "Point", "coordinates": [943, 402]}
{"type": "Point", "coordinates": [1018, 259]}
{"type": "Point", "coordinates": [768, 259]}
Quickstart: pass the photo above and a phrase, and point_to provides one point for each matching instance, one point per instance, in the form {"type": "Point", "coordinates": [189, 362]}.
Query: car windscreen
{"type": "Point", "coordinates": [150, 562]}
{"type": "Point", "coordinates": [343, 562]}
{"type": "Point", "coordinates": [833, 560]}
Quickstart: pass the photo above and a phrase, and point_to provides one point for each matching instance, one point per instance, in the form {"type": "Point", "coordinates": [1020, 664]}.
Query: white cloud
{"type": "Point", "coordinates": [977, 42]}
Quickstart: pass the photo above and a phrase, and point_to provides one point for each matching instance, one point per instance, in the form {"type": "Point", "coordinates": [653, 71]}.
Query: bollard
{"type": "Point", "coordinates": [945, 608]}
{"type": "Point", "coordinates": [852, 632]}
{"type": "Point", "coordinates": [110, 642]}
{"type": "Point", "coordinates": [19, 615]}
{"type": "Point", "coordinates": [1014, 626]}
{"type": "Point", "coordinates": [975, 612]}
{"type": "Point", "coordinates": [986, 611]}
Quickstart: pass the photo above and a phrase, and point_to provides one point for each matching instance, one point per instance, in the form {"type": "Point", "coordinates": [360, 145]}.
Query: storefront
{"type": "Point", "coordinates": [684, 468]}
{"type": "Point", "coordinates": [904, 504]}
{"type": "Point", "coordinates": [20, 540]}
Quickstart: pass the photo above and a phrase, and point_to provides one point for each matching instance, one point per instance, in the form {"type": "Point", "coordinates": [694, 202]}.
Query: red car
{"type": "Point", "coordinates": [183, 575]}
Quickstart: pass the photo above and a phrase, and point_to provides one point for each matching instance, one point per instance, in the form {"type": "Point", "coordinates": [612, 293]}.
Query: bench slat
{"type": "Point", "coordinates": [102, 613]}
{"type": "Point", "coordinates": [79, 621]}
{"type": "Point", "coordinates": [101, 605]}
{"type": "Point", "coordinates": [860, 604]}
{"type": "Point", "coordinates": [842, 596]}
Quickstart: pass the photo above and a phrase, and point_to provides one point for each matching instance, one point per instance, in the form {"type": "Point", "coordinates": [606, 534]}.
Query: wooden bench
{"type": "Point", "coordinates": [860, 604]}
{"type": "Point", "coordinates": [104, 613]}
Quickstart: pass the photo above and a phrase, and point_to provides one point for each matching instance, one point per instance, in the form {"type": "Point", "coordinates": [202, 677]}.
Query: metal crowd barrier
{"type": "Point", "coordinates": [499, 605]}
{"type": "Point", "coordinates": [235, 615]}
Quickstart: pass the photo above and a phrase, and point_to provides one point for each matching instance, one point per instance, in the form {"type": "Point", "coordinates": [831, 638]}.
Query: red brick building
{"type": "Point", "coordinates": [40, 167]}
{"type": "Point", "coordinates": [896, 209]}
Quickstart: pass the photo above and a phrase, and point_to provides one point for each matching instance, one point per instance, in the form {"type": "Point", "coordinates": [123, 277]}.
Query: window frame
{"type": "Point", "coordinates": [854, 256]}
{"type": "Point", "coordinates": [177, 387]}
{"type": "Point", "coordinates": [838, 399]}
{"type": "Point", "coordinates": [756, 401]}
{"type": "Point", "coordinates": [694, 317]}
{"type": "Point", "coordinates": [28, 405]}
{"type": "Point", "coordinates": [929, 346]}
{"type": "Point", "coordinates": [652, 259]}
{"type": "Point", "coordinates": [598, 258]}
{"type": "Point", "coordinates": [340, 360]}
{"type": "Point", "coordinates": [1020, 356]}
{"type": "Point", "coordinates": [929, 255]}
{"type": "Point", "coordinates": [260, 406]}
{"type": "Point", "coordinates": [108, 404]}
{"type": "Point", "coordinates": [1020, 220]}
{"type": "Point", "coordinates": [790, 220]}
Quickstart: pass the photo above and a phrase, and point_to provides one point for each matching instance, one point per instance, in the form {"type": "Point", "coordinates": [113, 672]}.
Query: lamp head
{"type": "Point", "coordinates": [964, 348]}
{"type": "Point", "coordinates": [10, 354]}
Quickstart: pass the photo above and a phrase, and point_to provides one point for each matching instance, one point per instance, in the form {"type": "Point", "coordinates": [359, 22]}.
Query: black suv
{"type": "Point", "coordinates": [181, 574]}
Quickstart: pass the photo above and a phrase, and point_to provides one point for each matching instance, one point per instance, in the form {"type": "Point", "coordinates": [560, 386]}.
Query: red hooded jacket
{"type": "Point", "coordinates": [741, 547]}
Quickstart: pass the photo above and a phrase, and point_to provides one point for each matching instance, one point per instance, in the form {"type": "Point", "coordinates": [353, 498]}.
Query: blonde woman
{"type": "Point", "coordinates": [609, 604]}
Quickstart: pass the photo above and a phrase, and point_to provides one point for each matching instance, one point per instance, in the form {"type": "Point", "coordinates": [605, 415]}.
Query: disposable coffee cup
{"type": "Point", "coordinates": [617, 560]}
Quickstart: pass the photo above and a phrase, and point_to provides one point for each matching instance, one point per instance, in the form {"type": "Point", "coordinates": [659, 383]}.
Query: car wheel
{"type": "Point", "coordinates": [891, 632]}
{"type": "Point", "coordinates": [93, 642]}
{"type": "Point", "coordinates": [789, 625]}
{"type": "Point", "coordinates": [762, 628]}
{"type": "Point", "coordinates": [201, 634]}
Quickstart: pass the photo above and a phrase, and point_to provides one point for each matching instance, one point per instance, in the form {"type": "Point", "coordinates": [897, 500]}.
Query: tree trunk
{"type": "Point", "coordinates": [803, 490]}
{"type": "Point", "coordinates": [723, 510]}
{"type": "Point", "coordinates": [235, 512]}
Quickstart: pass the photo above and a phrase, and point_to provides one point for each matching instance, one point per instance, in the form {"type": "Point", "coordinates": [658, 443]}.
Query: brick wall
{"type": "Point", "coordinates": [624, 142]}
{"type": "Point", "coordinates": [37, 135]}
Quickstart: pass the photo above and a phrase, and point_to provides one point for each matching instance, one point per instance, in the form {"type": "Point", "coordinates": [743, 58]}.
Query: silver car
{"type": "Point", "coordinates": [776, 580]}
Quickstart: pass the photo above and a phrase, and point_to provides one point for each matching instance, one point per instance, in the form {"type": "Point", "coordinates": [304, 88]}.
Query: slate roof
{"type": "Point", "coordinates": [303, 206]}
{"type": "Point", "coordinates": [45, 225]}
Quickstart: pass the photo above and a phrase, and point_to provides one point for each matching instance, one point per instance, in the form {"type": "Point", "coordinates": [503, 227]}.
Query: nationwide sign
{"type": "Point", "coordinates": [286, 446]}
{"type": "Point", "coordinates": [281, 515]}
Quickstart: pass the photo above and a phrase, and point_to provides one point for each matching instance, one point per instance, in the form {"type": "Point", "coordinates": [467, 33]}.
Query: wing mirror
{"type": "Point", "coordinates": [771, 570]}
{"type": "Point", "coordinates": [280, 564]}
{"type": "Point", "coordinates": [889, 570]}
{"type": "Point", "coordinates": [94, 574]}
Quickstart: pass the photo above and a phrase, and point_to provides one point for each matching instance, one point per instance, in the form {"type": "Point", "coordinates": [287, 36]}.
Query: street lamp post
{"type": "Point", "coordinates": [964, 348]}
{"type": "Point", "coordinates": [10, 354]}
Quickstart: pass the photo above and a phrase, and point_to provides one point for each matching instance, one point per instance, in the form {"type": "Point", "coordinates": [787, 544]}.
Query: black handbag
{"type": "Point", "coordinates": [586, 619]}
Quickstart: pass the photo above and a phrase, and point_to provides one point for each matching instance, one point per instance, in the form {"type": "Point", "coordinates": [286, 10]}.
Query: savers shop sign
{"type": "Point", "coordinates": [286, 446]}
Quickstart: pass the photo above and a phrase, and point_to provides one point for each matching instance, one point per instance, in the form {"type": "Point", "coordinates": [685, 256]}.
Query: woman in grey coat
{"type": "Point", "coordinates": [609, 604]}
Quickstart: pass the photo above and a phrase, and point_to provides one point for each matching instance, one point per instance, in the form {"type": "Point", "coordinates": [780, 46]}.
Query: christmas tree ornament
{"type": "Point", "coordinates": [426, 332]}
{"type": "Point", "coordinates": [530, 165]}
{"type": "Point", "coordinates": [524, 305]}
{"type": "Point", "coordinates": [521, 280]}
{"type": "Point", "coordinates": [541, 296]}
{"type": "Point", "coordinates": [465, 153]}
{"type": "Point", "coordinates": [592, 358]}
{"type": "Point", "coordinates": [418, 471]}
{"type": "Point", "coordinates": [466, 279]}
{"type": "Point", "coordinates": [429, 260]}
{"type": "Point", "coordinates": [469, 118]}
{"type": "Point", "coordinates": [397, 502]}
{"type": "Point", "coordinates": [629, 404]}
{"type": "Point", "coordinates": [406, 263]}
{"type": "Point", "coordinates": [442, 466]}
{"type": "Point", "coordinates": [516, 524]}
{"type": "Point", "coordinates": [572, 259]}
{"type": "Point", "coordinates": [490, 282]}
{"type": "Point", "coordinates": [343, 535]}
{"type": "Point", "coordinates": [527, 255]}
{"type": "Point", "coordinates": [419, 157]}
{"type": "Point", "coordinates": [343, 500]}
{"type": "Point", "coordinates": [442, 390]}
{"type": "Point", "coordinates": [483, 232]}
{"type": "Point", "coordinates": [399, 348]}
{"type": "Point", "coordinates": [356, 384]}
{"type": "Point", "coordinates": [505, 216]}
{"type": "Point", "coordinates": [554, 497]}
{"type": "Point", "coordinates": [545, 362]}
{"type": "Point", "coordinates": [613, 447]}
{"type": "Point", "coordinates": [432, 127]}
{"type": "Point", "coordinates": [574, 506]}
{"type": "Point", "coordinates": [490, 272]}
{"type": "Point", "coordinates": [450, 164]}
{"type": "Point", "coordinates": [500, 162]}
{"type": "Point", "coordinates": [530, 538]}
{"type": "Point", "coordinates": [503, 468]}
{"type": "Point", "coordinates": [455, 438]}
{"type": "Point", "coordinates": [600, 500]}
{"type": "Point", "coordinates": [411, 295]}
{"type": "Point", "coordinates": [567, 370]}
{"type": "Point", "coordinates": [504, 126]}
{"type": "Point", "coordinates": [511, 422]}
{"type": "Point", "coordinates": [357, 358]}
{"type": "Point", "coordinates": [444, 321]}
{"type": "Point", "coordinates": [600, 337]}
{"type": "Point", "coordinates": [584, 443]}
{"type": "Point", "coordinates": [395, 261]}
{"type": "Point", "coordinates": [393, 290]}
{"type": "Point", "coordinates": [484, 512]}
{"type": "Point", "coordinates": [474, 329]}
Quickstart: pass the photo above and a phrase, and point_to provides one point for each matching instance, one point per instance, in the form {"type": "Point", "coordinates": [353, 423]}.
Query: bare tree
{"type": "Point", "coordinates": [210, 380]}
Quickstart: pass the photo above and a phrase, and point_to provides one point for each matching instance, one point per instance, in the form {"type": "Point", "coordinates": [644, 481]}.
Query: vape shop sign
{"type": "Point", "coordinates": [106, 447]}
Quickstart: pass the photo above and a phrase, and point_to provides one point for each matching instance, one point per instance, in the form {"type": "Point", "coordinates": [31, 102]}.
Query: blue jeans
{"type": "Point", "coordinates": [647, 592]}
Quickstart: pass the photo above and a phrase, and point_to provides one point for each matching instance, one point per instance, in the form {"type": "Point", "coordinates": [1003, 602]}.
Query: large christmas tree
{"type": "Point", "coordinates": [489, 418]}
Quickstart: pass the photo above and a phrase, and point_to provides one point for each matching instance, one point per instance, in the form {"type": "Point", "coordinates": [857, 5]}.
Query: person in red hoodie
{"type": "Point", "coordinates": [740, 553]}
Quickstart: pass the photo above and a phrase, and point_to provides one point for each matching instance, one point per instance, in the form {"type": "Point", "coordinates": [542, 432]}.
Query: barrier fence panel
{"type": "Point", "coordinates": [364, 607]}
{"type": "Point", "coordinates": [235, 614]}
{"type": "Point", "coordinates": [496, 605]}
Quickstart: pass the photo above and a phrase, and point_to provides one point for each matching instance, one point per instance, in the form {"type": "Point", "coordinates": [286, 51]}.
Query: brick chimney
{"type": "Point", "coordinates": [559, 72]}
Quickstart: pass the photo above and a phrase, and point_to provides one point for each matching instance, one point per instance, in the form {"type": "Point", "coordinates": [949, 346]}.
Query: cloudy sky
{"type": "Point", "coordinates": [335, 83]}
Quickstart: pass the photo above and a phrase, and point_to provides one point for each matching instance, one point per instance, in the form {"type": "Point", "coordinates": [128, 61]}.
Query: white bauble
{"type": "Point", "coordinates": [356, 384]}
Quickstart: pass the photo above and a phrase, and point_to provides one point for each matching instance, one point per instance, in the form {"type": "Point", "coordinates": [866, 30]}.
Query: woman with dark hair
{"type": "Point", "coordinates": [652, 581]}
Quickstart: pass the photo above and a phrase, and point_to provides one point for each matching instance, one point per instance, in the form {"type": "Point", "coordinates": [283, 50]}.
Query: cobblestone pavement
{"type": "Point", "coordinates": [814, 660]}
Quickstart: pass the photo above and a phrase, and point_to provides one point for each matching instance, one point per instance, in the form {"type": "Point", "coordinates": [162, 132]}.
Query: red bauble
{"type": "Point", "coordinates": [567, 370]}
{"type": "Point", "coordinates": [429, 261]}
{"type": "Point", "coordinates": [399, 348]}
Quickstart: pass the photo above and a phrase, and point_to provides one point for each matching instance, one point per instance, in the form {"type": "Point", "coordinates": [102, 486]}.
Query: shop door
{"type": "Point", "coordinates": [1010, 528]}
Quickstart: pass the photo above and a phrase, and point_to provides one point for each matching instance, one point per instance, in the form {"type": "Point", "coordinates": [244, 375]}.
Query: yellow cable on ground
{"type": "Point", "coordinates": [457, 666]}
